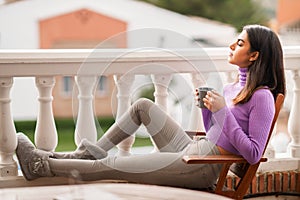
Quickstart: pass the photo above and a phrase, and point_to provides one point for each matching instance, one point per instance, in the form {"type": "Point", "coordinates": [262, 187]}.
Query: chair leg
{"type": "Point", "coordinates": [222, 178]}
{"type": "Point", "coordinates": [245, 181]}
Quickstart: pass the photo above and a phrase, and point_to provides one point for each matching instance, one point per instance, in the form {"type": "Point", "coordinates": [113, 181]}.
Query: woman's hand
{"type": "Point", "coordinates": [196, 97]}
{"type": "Point", "coordinates": [214, 101]}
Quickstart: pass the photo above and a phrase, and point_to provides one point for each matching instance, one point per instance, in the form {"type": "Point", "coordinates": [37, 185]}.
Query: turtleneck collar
{"type": "Point", "coordinates": [243, 76]}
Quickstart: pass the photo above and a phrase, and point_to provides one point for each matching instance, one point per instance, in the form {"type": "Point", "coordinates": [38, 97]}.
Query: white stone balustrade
{"type": "Point", "coordinates": [294, 125]}
{"type": "Point", "coordinates": [124, 84]}
{"type": "Point", "coordinates": [85, 124]}
{"type": "Point", "coordinates": [161, 83]}
{"type": "Point", "coordinates": [8, 140]}
{"type": "Point", "coordinates": [45, 132]}
{"type": "Point", "coordinates": [44, 65]}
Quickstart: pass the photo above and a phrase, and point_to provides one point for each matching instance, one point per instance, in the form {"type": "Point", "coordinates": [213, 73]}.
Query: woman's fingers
{"type": "Point", "coordinates": [213, 93]}
{"type": "Point", "coordinates": [214, 101]}
{"type": "Point", "coordinates": [196, 95]}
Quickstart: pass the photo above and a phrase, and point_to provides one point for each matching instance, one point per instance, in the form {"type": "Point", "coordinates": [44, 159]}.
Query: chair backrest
{"type": "Point", "coordinates": [278, 104]}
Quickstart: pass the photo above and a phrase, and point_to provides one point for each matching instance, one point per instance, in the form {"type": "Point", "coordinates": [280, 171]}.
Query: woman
{"type": "Point", "coordinates": [237, 123]}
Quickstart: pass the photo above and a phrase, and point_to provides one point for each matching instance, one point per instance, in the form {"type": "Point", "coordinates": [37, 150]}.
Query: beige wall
{"type": "Point", "coordinates": [288, 11]}
{"type": "Point", "coordinates": [82, 26]}
{"type": "Point", "coordinates": [65, 105]}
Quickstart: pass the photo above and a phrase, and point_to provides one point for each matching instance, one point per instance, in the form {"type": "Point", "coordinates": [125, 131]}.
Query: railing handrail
{"type": "Point", "coordinates": [32, 54]}
{"type": "Point", "coordinates": [31, 62]}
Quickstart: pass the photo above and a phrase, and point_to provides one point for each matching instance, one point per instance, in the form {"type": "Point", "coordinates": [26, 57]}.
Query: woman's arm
{"type": "Point", "coordinates": [206, 116]}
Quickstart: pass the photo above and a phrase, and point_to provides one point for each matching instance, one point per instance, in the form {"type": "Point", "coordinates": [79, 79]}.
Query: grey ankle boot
{"type": "Point", "coordinates": [33, 162]}
{"type": "Point", "coordinates": [86, 150]}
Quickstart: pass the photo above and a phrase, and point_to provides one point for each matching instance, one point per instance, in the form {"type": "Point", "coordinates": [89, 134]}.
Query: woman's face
{"type": "Point", "coordinates": [240, 51]}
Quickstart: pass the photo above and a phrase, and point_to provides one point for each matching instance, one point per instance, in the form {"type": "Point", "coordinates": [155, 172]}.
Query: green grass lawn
{"type": "Point", "coordinates": [65, 130]}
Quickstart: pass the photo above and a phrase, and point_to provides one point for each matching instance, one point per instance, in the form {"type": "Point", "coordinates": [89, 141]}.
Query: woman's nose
{"type": "Point", "coordinates": [232, 46]}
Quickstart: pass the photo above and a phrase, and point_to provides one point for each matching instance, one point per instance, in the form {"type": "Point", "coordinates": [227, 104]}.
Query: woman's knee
{"type": "Point", "coordinates": [141, 109]}
{"type": "Point", "coordinates": [143, 102]}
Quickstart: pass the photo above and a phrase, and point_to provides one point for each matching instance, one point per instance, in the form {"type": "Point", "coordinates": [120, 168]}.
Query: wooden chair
{"type": "Point", "coordinates": [246, 172]}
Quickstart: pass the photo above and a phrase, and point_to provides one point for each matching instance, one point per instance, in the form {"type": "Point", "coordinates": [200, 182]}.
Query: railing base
{"type": "Point", "coordinates": [279, 164]}
{"type": "Point", "coordinates": [8, 170]}
{"type": "Point", "coordinates": [19, 181]}
{"type": "Point", "coordinates": [295, 151]}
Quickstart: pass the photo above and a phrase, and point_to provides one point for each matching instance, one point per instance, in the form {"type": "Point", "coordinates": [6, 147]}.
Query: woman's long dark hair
{"type": "Point", "coordinates": [268, 69]}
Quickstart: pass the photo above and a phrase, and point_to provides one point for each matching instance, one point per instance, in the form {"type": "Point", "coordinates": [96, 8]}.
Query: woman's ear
{"type": "Point", "coordinates": [253, 56]}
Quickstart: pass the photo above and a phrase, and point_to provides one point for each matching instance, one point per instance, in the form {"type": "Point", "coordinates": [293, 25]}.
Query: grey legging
{"type": "Point", "coordinates": [162, 168]}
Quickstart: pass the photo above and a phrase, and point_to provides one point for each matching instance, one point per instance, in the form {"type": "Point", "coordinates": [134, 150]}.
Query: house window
{"type": "Point", "coordinates": [67, 85]}
{"type": "Point", "coordinates": [102, 86]}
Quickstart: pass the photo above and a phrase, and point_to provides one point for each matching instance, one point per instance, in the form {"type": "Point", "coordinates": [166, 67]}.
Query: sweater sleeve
{"type": "Point", "coordinates": [250, 144]}
{"type": "Point", "coordinates": [206, 116]}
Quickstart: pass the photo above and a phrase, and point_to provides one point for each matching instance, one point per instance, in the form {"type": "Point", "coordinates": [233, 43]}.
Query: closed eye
{"type": "Point", "coordinates": [240, 42]}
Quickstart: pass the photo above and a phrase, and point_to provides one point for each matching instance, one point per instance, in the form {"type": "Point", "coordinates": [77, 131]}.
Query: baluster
{"type": "Point", "coordinates": [196, 122]}
{"type": "Point", "coordinates": [8, 140]}
{"type": "Point", "coordinates": [124, 84]}
{"type": "Point", "coordinates": [45, 132]}
{"type": "Point", "coordinates": [85, 125]}
{"type": "Point", "coordinates": [270, 151]}
{"type": "Point", "coordinates": [161, 83]}
{"type": "Point", "coordinates": [293, 124]}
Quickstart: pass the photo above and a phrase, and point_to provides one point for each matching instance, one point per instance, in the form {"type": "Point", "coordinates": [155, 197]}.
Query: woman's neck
{"type": "Point", "coordinates": [243, 76]}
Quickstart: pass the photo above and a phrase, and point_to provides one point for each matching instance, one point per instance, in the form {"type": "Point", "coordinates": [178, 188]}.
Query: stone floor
{"type": "Point", "coordinates": [106, 191]}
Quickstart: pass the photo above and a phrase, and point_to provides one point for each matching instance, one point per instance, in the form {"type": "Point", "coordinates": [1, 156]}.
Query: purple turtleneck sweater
{"type": "Point", "coordinates": [241, 129]}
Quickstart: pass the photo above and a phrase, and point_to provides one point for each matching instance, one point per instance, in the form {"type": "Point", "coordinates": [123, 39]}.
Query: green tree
{"type": "Point", "coordinates": [235, 12]}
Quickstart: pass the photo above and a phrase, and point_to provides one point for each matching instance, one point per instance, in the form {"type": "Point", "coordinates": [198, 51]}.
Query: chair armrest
{"type": "Point", "coordinates": [214, 159]}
